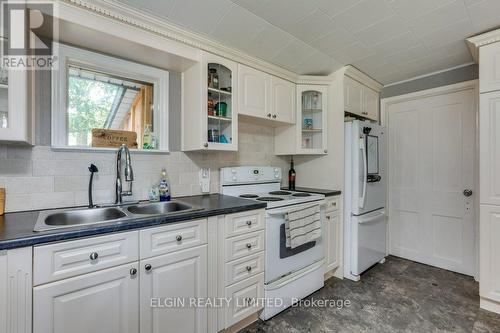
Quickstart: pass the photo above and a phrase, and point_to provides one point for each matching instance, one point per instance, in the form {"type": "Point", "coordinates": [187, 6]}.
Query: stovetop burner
{"type": "Point", "coordinates": [280, 193]}
{"type": "Point", "coordinates": [301, 195]}
{"type": "Point", "coordinates": [269, 199]}
{"type": "Point", "coordinates": [249, 196]}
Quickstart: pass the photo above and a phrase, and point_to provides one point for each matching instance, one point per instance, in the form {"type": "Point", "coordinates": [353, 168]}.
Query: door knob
{"type": "Point", "coordinates": [94, 256]}
{"type": "Point", "coordinates": [467, 192]}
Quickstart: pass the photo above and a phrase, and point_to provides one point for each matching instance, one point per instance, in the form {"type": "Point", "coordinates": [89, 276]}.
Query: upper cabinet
{"type": "Point", "coordinates": [309, 136]}
{"type": "Point", "coordinates": [264, 96]}
{"type": "Point", "coordinates": [489, 69]}
{"type": "Point", "coordinates": [210, 116]}
{"type": "Point", "coordinates": [360, 100]}
{"type": "Point", "coordinates": [16, 121]}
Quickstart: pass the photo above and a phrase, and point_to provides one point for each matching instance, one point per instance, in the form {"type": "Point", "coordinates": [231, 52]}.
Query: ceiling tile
{"type": "Point", "coordinates": [485, 15]}
{"type": "Point", "coordinates": [251, 5]}
{"type": "Point", "coordinates": [335, 7]}
{"type": "Point", "coordinates": [310, 27]}
{"type": "Point", "coordinates": [316, 65]}
{"type": "Point", "coordinates": [159, 8]}
{"type": "Point", "coordinates": [382, 31]}
{"type": "Point", "coordinates": [404, 41]}
{"type": "Point", "coordinates": [408, 55]}
{"type": "Point", "coordinates": [362, 15]}
{"type": "Point", "coordinates": [456, 31]}
{"type": "Point", "coordinates": [269, 42]}
{"type": "Point", "coordinates": [411, 9]}
{"type": "Point", "coordinates": [285, 13]}
{"type": "Point", "coordinates": [439, 18]}
{"type": "Point", "coordinates": [293, 54]}
{"type": "Point", "coordinates": [237, 27]}
{"type": "Point", "coordinates": [335, 40]}
{"type": "Point", "coordinates": [351, 53]}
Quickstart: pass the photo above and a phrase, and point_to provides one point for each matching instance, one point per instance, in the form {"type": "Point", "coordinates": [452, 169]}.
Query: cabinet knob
{"type": "Point", "coordinates": [94, 256]}
{"type": "Point", "coordinates": [248, 300]}
{"type": "Point", "coordinates": [325, 151]}
{"type": "Point", "coordinates": [269, 115]}
{"type": "Point", "coordinates": [178, 238]}
{"type": "Point", "coordinates": [205, 145]}
{"type": "Point", "coordinates": [148, 267]}
{"type": "Point", "coordinates": [249, 268]}
{"type": "Point", "coordinates": [133, 271]}
{"type": "Point", "coordinates": [249, 223]}
{"type": "Point", "coordinates": [249, 246]}
{"type": "Point", "coordinates": [274, 116]}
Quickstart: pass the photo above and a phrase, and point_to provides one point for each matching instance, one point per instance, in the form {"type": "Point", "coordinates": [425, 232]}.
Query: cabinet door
{"type": "Point", "coordinates": [254, 92]}
{"type": "Point", "coordinates": [489, 67]}
{"type": "Point", "coordinates": [489, 252]}
{"type": "Point", "coordinates": [175, 277]}
{"type": "Point", "coordinates": [312, 125]}
{"type": "Point", "coordinates": [332, 224]}
{"type": "Point", "coordinates": [489, 149]}
{"type": "Point", "coordinates": [101, 302]}
{"type": "Point", "coordinates": [353, 96]}
{"type": "Point", "coordinates": [283, 100]}
{"type": "Point", "coordinates": [371, 104]}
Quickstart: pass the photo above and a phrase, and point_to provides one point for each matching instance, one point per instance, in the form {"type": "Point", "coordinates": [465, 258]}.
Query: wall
{"type": "Point", "coordinates": [456, 75]}
{"type": "Point", "coordinates": [37, 177]}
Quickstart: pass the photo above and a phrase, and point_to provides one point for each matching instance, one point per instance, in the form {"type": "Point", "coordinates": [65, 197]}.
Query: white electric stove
{"type": "Point", "coordinates": [290, 274]}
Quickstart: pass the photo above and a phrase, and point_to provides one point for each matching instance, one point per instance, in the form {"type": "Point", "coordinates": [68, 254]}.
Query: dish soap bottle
{"type": "Point", "coordinates": [163, 188]}
{"type": "Point", "coordinates": [291, 176]}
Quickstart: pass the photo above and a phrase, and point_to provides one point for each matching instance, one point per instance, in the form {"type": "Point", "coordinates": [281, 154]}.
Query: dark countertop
{"type": "Point", "coordinates": [16, 229]}
{"type": "Point", "coordinates": [326, 193]}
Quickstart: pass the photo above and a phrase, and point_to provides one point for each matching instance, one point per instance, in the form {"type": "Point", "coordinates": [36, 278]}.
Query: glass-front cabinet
{"type": "Point", "coordinates": [216, 127]}
{"type": "Point", "coordinates": [312, 109]}
{"type": "Point", "coordinates": [15, 120]}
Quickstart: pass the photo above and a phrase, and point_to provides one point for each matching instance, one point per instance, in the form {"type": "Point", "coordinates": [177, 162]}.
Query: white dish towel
{"type": "Point", "coordinates": [302, 226]}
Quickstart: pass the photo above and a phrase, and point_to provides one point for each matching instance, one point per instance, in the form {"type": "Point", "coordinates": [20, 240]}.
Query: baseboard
{"type": "Point", "coordinates": [336, 272]}
{"type": "Point", "coordinates": [489, 305]}
{"type": "Point", "coordinates": [242, 324]}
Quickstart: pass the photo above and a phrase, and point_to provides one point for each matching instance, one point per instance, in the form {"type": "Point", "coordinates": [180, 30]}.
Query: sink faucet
{"type": "Point", "coordinates": [129, 174]}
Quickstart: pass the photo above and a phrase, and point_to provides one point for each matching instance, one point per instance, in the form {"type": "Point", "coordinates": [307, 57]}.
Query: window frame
{"type": "Point", "coordinates": [69, 55]}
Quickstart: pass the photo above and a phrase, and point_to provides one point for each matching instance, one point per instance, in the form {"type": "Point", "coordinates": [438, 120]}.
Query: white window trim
{"type": "Point", "coordinates": [111, 65]}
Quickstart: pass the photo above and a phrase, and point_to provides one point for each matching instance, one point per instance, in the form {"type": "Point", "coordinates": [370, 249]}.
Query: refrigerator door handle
{"type": "Point", "coordinates": [362, 148]}
{"type": "Point", "coordinates": [372, 218]}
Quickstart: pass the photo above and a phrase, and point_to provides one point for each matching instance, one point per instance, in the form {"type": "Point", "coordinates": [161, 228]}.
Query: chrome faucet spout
{"type": "Point", "coordinates": [129, 173]}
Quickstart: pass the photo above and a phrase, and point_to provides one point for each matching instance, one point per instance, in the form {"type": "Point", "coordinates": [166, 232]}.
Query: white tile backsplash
{"type": "Point", "coordinates": [38, 177]}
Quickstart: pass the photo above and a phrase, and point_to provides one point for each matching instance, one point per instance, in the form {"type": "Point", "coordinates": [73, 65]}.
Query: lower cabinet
{"type": "Point", "coordinates": [106, 301]}
{"type": "Point", "coordinates": [333, 233]}
{"type": "Point", "coordinates": [168, 284]}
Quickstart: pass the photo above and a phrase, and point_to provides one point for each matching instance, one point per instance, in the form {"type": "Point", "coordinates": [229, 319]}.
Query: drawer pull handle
{"type": "Point", "coordinates": [94, 256]}
{"type": "Point", "coordinates": [148, 267]}
{"type": "Point", "coordinates": [249, 223]}
{"type": "Point", "coordinates": [133, 271]}
{"type": "Point", "coordinates": [249, 268]}
{"type": "Point", "coordinates": [249, 246]}
{"type": "Point", "coordinates": [178, 238]}
{"type": "Point", "coordinates": [248, 301]}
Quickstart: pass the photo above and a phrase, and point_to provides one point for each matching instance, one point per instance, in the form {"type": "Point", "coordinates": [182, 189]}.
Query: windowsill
{"type": "Point", "coordinates": [109, 150]}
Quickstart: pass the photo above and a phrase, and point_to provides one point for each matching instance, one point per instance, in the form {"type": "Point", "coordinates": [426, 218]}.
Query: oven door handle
{"type": "Point", "coordinates": [293, 208]}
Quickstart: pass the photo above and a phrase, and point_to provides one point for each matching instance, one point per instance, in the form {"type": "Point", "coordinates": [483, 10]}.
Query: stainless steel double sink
{"type": "Point", "coordinates": [76, 217]}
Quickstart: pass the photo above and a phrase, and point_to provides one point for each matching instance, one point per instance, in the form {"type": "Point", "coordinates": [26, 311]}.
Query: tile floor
{"type": "Point", "coordinates": [398, 296]}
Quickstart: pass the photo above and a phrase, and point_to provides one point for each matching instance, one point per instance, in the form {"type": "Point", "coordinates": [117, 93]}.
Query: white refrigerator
{"type": "Point", "coordinates": [365, 197]}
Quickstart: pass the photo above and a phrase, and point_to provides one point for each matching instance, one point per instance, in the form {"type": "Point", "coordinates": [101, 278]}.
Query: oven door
{"type": "Point", "coordinates": [280, 260]}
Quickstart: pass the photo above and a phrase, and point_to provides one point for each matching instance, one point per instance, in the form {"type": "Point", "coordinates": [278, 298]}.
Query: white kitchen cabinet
{"type": "Point", "coordinates": [16, 118]}
{"type": "Point", "coordinates": [265, 96]}
{"type": "Point", "coordinates": [489, 149]}
{"type": "Point", "coordinates": [106, 301]}
{"type": "Point", "coordinates": [254, 88]}
{"type": "Point", "coordinates": [178, 276]}
{"type": "Point", "coordinates": [333, 233]}
{"type": "Point", "coordinates": [360, 100]}
{"type": "Point", "coordinates": [489, 253]}
{"type": "Point", "coordinates": [282, 100]}
{"type": "Point", "coordinates": [16, 290]}
{"type": "Point", "coordinates": [309, 136]}
{"type": "Point", "coordinates": [489, 68]}
{"type": "Point", "coordinates": [210, 112]}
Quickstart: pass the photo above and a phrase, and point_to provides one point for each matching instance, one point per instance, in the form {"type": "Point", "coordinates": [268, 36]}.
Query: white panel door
{"type": "Point", "coordinates": [179, 277]}
{"type": "Point", "coordinates": [254, 88]}
{"type": "Point", "coordinates": [431, 163]}
{"type": "Point", "coordinates": [101, 302]}
{"type": "Point", "coordinates": [489, 161]}
{"type": "Point", "coordinates": [283, 100]}
{"type": "Point", "coordinates": [332, 230]}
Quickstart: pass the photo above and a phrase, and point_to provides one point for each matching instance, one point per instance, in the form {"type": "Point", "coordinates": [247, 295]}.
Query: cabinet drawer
{"type": "Point", "coordinates": [170, 238]}
{"type": "Point", "coordinates": [246, 299]}
{"type": "Point", "coordinates": [62, 260]}
{"type": "Point", "coordinates": [241, 246]}
{"type": "Point", "coordinates": [245, 267]}
{"type": "Point", "coordinates": [242, 223]}
{"type": "Point", "coordinates": [332, 204]}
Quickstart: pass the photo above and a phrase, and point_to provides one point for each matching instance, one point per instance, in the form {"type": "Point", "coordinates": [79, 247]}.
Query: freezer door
{"type": "Point", "coordinates": [369, 240]}
{"type": "Point", "coordinates": [368, 178]}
